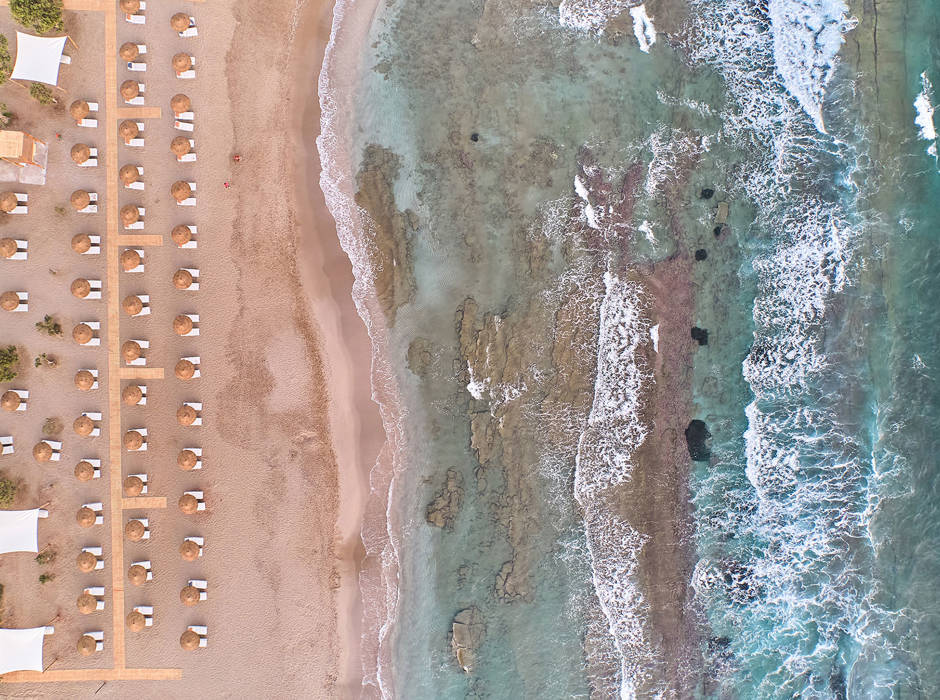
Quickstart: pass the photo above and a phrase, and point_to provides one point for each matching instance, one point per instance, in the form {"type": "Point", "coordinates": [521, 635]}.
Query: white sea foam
{"type": "Point", "coordinates": [643, 28]}
{"type": "Point", "coordinates": [590, 15]}
{"type": "Point", "coordinates": [589, 214]}
{"type": "Point", "coordinates": [654, 336]}
{"type": "Point", "coordinates": [924, 118]}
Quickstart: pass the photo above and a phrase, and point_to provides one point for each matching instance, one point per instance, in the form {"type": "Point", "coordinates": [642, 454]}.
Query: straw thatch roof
{"type": "Point", "coordinates": [180, 146]}
{"type": "Point", "coordinates": [81, 242]}
{"type": "Point", "coordinates": [180, 190]}
{"type": "Point", "coordinates": [130, 350]}
{"type": "Point", "coordinates": [133, 440]}
{"type": "Point", "coordinates": [182, 62]}
{"type": "Point", "coordinates": [182, 279]}
{"type": "Point", "coordinates": [130, 214]}
{"type": "Point", "coordinates": [180, 22]}
{"type": "Point", "coordinates": [189, 640]}
{"type": "Point", "coordinates": [7, 247]}
{"type": "Point", "coordinates": [137, 575]}
{"type": "Point", "coordinates": [186, 459]}
{"type": "Point", "coordinates": [189, 596]}
{"type": "Point", "coordinates": [184, 369]}
{"type": "Point", "coordinates": [181, 235]}
{"type": "Point", "coordinates": [182, 324]}
{"type": "Point", "coordinates": [42, 451]}
{"type": "Point", "coordinates": [80, 153]}
{"type": "Point", "coordinates": [9, 301]}
{"type": "Point", "coordinates": [10, 401]}
{"type": "Point", "coordinates": [136, 621]}
{"type": "Point", "coordinates": [185, 415]}
{"type": "Point", "coordinates": [82, 333]}
{"type": "Point", "coordinates": [189, 550]}
{"type": "Point", "coordinates": [84, 471]}
{"type": "Point", "coordinates": [129, 90]}
{"type": "Point", "coordinates": [87, 603]}
{"type": "Point", "coordinates": [128, 130]}
{"type": "Point", "coordinates": [79, 109]}
{"type": "Point", "coordinates": [84, 380]}
{"type": "Point", "coordinates": [79, 199]}
{"type": "Point", "coordinates": [128, 174]}
{"type": "Point", "coordinates": [130, 6]}
{"type": "Point", "coordinates": [87, 645]}
{"type": "Point", "coordinates": [133, 486]}
{"type": "Point", "coordinates": [86, 562]}
{"type": "Point", "coordinates": [131, 395]}
{"type": "Point", "coordinates": [83, 426]}
{"type": "Point", "coordinates": [132, 304]}
{"type": "Point", "coordinates": [188, 504]}
{"type": "Point", "coordinates": [8, 201]}
{"type": "Point", "coordinates": [80, 287]}
{"type": "Point", "coordinates": [180, 103]}
{"type": "Point", "coordinates": [130, 259]}
{"type": "Point", "coordinates": [85, 517]}
{"type": "Point", "coordinates": [128, 51]}
{"type": "Point", "coordinates": [134, 530]}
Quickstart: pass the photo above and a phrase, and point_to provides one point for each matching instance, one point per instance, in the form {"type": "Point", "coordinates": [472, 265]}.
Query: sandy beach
{"type": "Point", "coordinates": [290, 431]}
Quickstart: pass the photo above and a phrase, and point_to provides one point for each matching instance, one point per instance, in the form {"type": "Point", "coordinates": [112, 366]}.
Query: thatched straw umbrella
{"type": "Point", "coordinates": [179, 22]}
{"type": "Point", "coordinates": [137, 575]}
{"type": "Point", "coordinates": [180, 146]}
{"type": "Point", "coordinates": [80, 153]}
{"type": "Point", "coordinates": [10, 401]}
{"type": "Point", "coordinates": [84, 471]}
{"type": "Point", "coordinates": [180, 103]}
{"type": "Point", "coordinates": [42, 451]}
{"type": "Point", "coordinates": [189, 550]}
{"type": "Point", "coordinates": [9, 301]}
{"type": "Point", "coordinates": [128, 130]}
{"type": "Point", "coordinates": [134, 530]}
{"type": "Point", "coordinates": [7, 247]}
{"type": "Point", "coordinates": [80, 288]}
{"type": "Point", "coordinates": [133, 440]}
{"type": "Point", "coordinates": [132, 304]}
{"type": "Point", "coordinates": [130, 214]}
{"type": "Point", "coordinates": [87, 603]}
{"type": "Point", "coordinates": [130, 350]}
{"type": "Point", "coordinates": [180, 190]}
{"type": "Point", "coordinates": [8, 202]}
{"type": "Point", "coordinates": [83, 426]}
{"type": "Point", "coordinates": [185, 415]}
{"type": "Point", "coordinates": [182, 62]}
{"type": "Point", "coordinates": [86, 562]}
{"type": "Point", "coordinates": [130, 259]}
{"type": "Point", "coordinates": [186, 460]}
{"type": "Point", "coordinates": [129, 90]}
{"type": "Point", "coordinates": [189, 596]}
{"type": "Point", "coordinates": [130, 6]}
{"type": "Point", "coordinates": [81, 242]}
{"type": "Point", "coordinates": [136, 621]}
{"type": "Point", "coordinates": [182, 324]}
{"type": "Point", "coordinates": [189, 640]}
{"type": "Point", "coordinates": [128, 174]}
{"type": "Point", "coordinates": [82, 333]}
{"type": "Point", "coordinates": [85, 517]}
{"type": "Point", "coordinates": [181, 235]}
{"type": "Point", "coordinates": [184, 369]}
{"type": "Point", "coordinates": [128, 51]}
{"type": "Point", "coordinates": [133, 487]}
{"type": "Point", "coordinates": [188, 504]}
{"type": "Point", "coordinates": [79, 199]}
{"type": "Point", "coordinates": [182, 279]}
{"type": "Point", "coordinates": [131, 395]}
{"type": "Point", "coordinates": [87, 645]}
{"type": "Point", "coordinates": [84, 380]}
{"type": "Point", "coordinates": [79, 109]}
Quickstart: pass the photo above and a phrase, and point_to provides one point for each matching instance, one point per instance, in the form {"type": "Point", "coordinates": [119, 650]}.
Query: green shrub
{"type": "Point", "coordinates": [40, 15]}
{"type": "Point", "coordinates": [8, 360]}
{"type": "Point", "coordinates": [42, 93]}
{"type": "Point", "coordinates": [47, 556]}
{"type": "Point", "coordinates": [6, 62]}
{"type": "Point", "coordinates": [7, 493]}
{"type": "Point", "coordinates": [49, 326]}
{"type": "Point", "coordinates": [46, 578]}
{"type": "Point", "coordinates": [47, 360]}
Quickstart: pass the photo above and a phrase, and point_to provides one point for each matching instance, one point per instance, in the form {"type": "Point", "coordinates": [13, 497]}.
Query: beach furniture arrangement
{"type": "Point", "coordinates": [184, 25]}
{"type": "Point", "coordinates": [184, 236]}
{"type": "Point", "coordinates": [87, 469]}
{"type": "Point", "coordinates": [184, 66]}
{"type": "Point", "coordinates": [14, 400]}
{"type": "Point", "coordinates": [136, 305]}
{"type": "Point", "coordinates": [134, 395]}
{"type": "Point", "coordinates": [88, 424]}
{"type": "Point", "coordinates": [91, 600]}
{"type": "Point", "coordinates": [14, 202]}
{"type": "Point", "coordinates": [132, 352]}
{"type": "Point", "coordinates": [191, 548]}
{"type": "Point", "coordinates": [137, 529]}
{"type": "Point", "coordinates": [89, 559]}
{"type": "Point", "coordinates": [86, 333]}
{"type": "Point", "coordinates": [14, 301]}
{"type": "Point", "coordinates": [84, 156]}
{"type": "Point", "coordinates": [14, 248]}
{"type": "Point", "coordinates": [82, 110]}
{"type": "Point", "coordinates": [130, 132]}
{"type": "Point", "coordinates": [86, 244]}
{"type": "Point", "coordinates": [195, 637]}
{"type": "Point", "coordinates": [140, 573]}
{"type": "Point", "coordinates": [90, 514]}
{"type": "Point", "coordinates": [134, 11]}
{"type": "Point", "coordinates": [84, 202]}
{"type": "Point", "coordinates": [47, 451]}
{"type": "Point", "coordinates": [90, 643]}
{"type": "Point", "coordinates": [187, 368]}
{"type": "Point", "coordinates": [192, 502]}
{"type": "Point", "coordinates": [189, 458]}
{"type": "Point", "coordinates": [135, 485]}
{"type": "Point", "coordinates": [135, 440]}
{"type": "Point", "coordinates": [6, 445]}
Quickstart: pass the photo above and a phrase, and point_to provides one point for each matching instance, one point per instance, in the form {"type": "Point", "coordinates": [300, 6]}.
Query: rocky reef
{"type": "Point", "coordinates": [442, 511]}
{"type": "Point", "coordinates": [468, 631]}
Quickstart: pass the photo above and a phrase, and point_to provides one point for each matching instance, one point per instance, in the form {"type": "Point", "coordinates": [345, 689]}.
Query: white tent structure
{"type": "Point", "coordinates": [19, 531]}
{"type": "Point", "coordinates": [38, 58]}
{"type": "Point", "coordinates": [21, 650]}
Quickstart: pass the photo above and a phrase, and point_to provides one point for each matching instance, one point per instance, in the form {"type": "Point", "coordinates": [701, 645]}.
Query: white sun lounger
{"type": "Point", "coordinates": [23, 306]}
{"type": "Point", "coordinates": [96, 465]}
{"type": "Point", "coordinates": [98, 593]}
{"type": "Point", "coordinates": [195, 319]}
{"type": "Point", "coordinates": [147, 612]}
{"type": "Point", "coordinates": [137, 18]}
{"type": "Point", "coordinates": [92, 207]}
{"type": "Point", "coordinates": [94, 373]}
{"type": "Point", "coordinates": [197, 406]}
{"type": "Point", "coordinates": [146, 564]}
{"type": "Point", "coordinates": [145, 300]}
{"type": "Point", "coordinates": [201, 585]}
{"type": "Point", "coordinates": [96, 339]}
{"type": "Point", "coordinates": [88, 123]}
{"type": "Point", "coordinates": [97, 508]}
{"type": "Point", "coordinates": [92, 161]}
{"type": "Point", "coordinates": [139, 100]}
{"type": "Point", "coordinates": [146, 523]}
{"type": "Point", "coordinates": [183, 126]}
{"type": "Point", "coordinates": [95, 292]}
{"type": "Point", "coordinates": [143, 393]}
{"type": "Point", "coordinates": [22, 203]}
{"type": "Point", "coordinates": [24, 398]}
{"type": "Point", "coordinates": [192, 242]}
{"type": "Point", "coordinates": [194, 271]}
{"type": "Point", "coordinates": [190, 31]}
{"type": "Point", "coordinates": [136, 66]}
{"type": "Point", "coordinates": [195, 360]}
{"type": "Point", "coordinates": [6, 444]}
{"type": "Point", "coordinates": [96, 417]}
{"type": "Point", "coordinates": [199, 497]}
{"type": "Point", "coordinates": [142, 477]}
{"type": "Point", "coordinates": [198, 452]}
{"type": "Point", "coordinates": [99, 564]}
{"type": "Point", "coordinates": [189, 157]}
{"type": "Point", "coordinates": [95, 245]}
{"type": "Point", "coordinates": [203, 633]}
{"type": "Point", "coordinates": [56, 446]}
{"type": "Point", "coordinates": [201, 541]}
{"type": "Point", "coordinates": [139, 224]}
{"type": "Point", "coordinates": [190, 201]}
{"type": "Point", "coordinates": [98, 636]}
{"type": "Point", "coordinates": [137, 184]}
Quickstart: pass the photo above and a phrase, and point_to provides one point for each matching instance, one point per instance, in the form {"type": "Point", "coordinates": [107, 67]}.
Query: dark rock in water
{"type": "Point", "coordinates": [474, 137]}
{"type": "Point", "coordinates": [717, 643]}
{"type": "Point", "coordinates": [718, 230]}
{"type": "Point", "coordinates": [696, 437]}
{"type": "Point", "coordinates": [739, 582]}
{"type": "Point", "coordinates": [700, 335]}
{"type": "Point", "coordinates": [707, 193]}
{"type": "Point", "coordinates": [837, 684]}
{"type": "Point", "coordinates": [701, 254]}
{"type": "Point", "coordinates": [442, 511]}
{"type": "Point", "coordinates": [468, 630]}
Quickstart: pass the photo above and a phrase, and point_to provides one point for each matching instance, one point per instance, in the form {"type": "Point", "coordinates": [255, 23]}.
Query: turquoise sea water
{"type": "Point", "coordinates": [514, 129]}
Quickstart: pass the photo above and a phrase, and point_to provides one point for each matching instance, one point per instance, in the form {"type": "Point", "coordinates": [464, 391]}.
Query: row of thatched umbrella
{"type": "Point", "coordinates": [180, 190]}
{"type": "Point", "coordinates": [136, 621]}
{"type": "Point", "coordinates": [42, 451]}
{"type": "Point", "coordinates": [81, 243]}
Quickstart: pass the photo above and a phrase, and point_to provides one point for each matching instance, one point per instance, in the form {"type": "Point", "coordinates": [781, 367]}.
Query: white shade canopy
{"type": "Point", "coordinates": [18, 531]}
{"type": "Point", "coordinates": [37, 58]}
{"type": "Point", "coordinates": [21, 650]}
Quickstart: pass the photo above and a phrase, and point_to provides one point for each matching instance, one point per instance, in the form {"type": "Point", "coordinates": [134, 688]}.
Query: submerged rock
{"type": "Point", "coordinates": [510, 583]}
{"type": "Point", "coordinates": [696, 437]}
{"type": "Point", "coordinates": [701, 254]}
{"type": "Point", "coordinates": [442, 511]}
{"type": "Point", "coordinates": [469, 629]}
{"type": "Point", "coordinates": [721, 213]}
{"type": "Point", "coordinates": [700, 335]}
{"type": "Point", "coordinates": [419, 356]}
{"type": "Point", "coordinates": [707, 193]}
